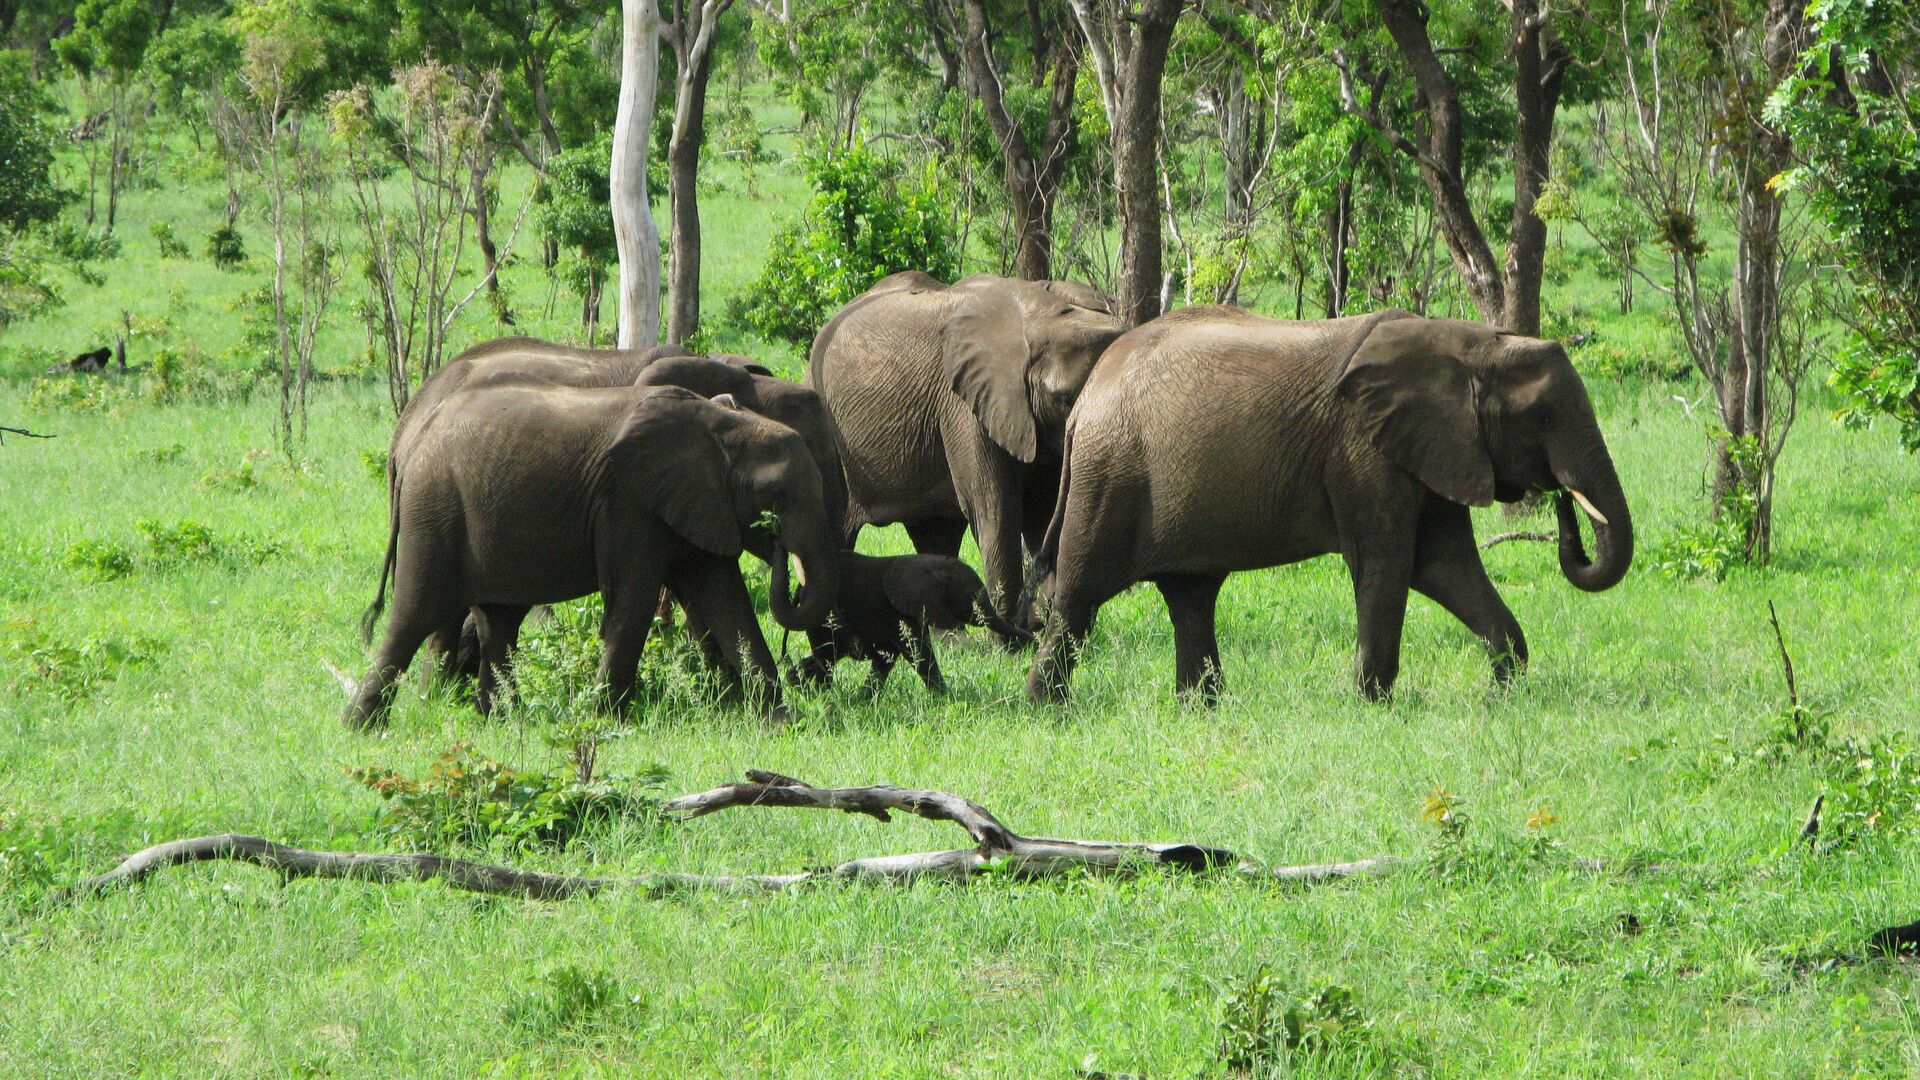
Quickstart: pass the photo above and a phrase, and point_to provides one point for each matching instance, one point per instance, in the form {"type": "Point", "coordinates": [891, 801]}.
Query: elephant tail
{"type": "Point", "coordinates": [372, 615]}
{"type": "Point", "coordinates": [1043, 559]}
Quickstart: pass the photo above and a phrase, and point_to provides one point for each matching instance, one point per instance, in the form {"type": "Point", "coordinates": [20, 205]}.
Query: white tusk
{"type": "Point", "coordinates": [1592, 512]}
{"type": "Point", "coordinates": [799, 569]}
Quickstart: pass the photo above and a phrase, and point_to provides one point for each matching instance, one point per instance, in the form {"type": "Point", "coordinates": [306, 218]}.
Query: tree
{"type": "Point", "coordinates": [280, 46]}
{"type": "Point", "coordinates": [1129, 47]}
{"type": "Point", "coordinates": [29, 197]}
{"type": "Point", "coordinates": [576, 215]}
{"type": "Point", "coordinates": [1505, 295]}
{"type": "Point", "coordinates": [1852, 108]}
{"type": "Point", "coordinates": [1033, 165]}
{"type": "Point", "coordinates": [636, 237]}
{"type": "Point", "coordinates": [691, 32]}
{"type": "Point", "coordinates": [107, 44]}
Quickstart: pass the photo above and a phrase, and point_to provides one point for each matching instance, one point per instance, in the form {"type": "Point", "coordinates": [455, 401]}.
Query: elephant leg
{"type": "Point", "coordinates": [936, 537]}
{"type": "Point", "coordinates": [1380, 582]}
{"type": "Point", "coordinates": [1447, 569]}
{"type": "Point", "coordinates": [723, 666]}
{"type": "Point", "coordinates": [877, 676]}
{"type": "Point", "coordinates": [629, 594]}
{"type": "Point", "coordinates": [1093, 563]}
{"type": "Point", "coordinates": [816, 671]}
{"type": "Point", "coordinates": [1190, 604]}
{"type": "Point", "coordinates": [498, 626]}
{"type": "Point", "coordinates": [711, 588]}
{"type": "Point", "coordinates": [421, 605]}
{"type": "Point", "coordinates": [448, 648]}
{"type": "Point", "coordinates": [920, 646]}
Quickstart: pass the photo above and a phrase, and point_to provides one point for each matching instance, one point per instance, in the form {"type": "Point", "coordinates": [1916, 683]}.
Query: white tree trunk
{"type": "Point", "coordinates": [635, 234]}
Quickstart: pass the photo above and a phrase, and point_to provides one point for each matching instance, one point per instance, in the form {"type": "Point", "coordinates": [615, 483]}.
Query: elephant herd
{"type": "Point", "coordinates": [1083, 455]}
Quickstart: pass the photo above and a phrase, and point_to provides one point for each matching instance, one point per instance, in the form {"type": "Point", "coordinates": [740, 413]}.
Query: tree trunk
{"type": "Point", "coordinates": [693, 48]}
{"type": "Point", "coordinates": [636, 236]}
{"type": "Point", "coordinates": [1540, 64]}
{"type": "Point", "coordinates": [1129, 47]}
{"type": "Point", "coordinates": [1033, 179]}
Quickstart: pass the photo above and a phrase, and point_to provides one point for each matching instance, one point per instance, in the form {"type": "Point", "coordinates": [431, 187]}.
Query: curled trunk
{"type": "Point", "coordinates": [808, 607]}
{"type": "Point", "coordinates": [1606, 505]}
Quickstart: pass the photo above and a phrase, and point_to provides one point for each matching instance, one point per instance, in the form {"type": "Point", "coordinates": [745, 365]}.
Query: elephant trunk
{"type": "Point", "coordinates": [1595, 490]}
{"type": "Point", "coordinates": [809, 606]}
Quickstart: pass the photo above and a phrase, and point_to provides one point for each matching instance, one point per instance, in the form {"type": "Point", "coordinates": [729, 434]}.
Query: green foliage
{"type": "Point", "coordinates": [1711, 549]}
{"type": "Point", "coordinates": [109, 37]}
{"type": "Point", "coordinates": [171, 246]}
{"type": "Point", "coordinates": [1852, 107]}
{"type": "Point", "coordinates": [574, 211]}
{"type": "Point", "coordinates": [70, 671]}
{"type": "Point", "coordinates": [77, 393]}
{"type": "Point", "coordinates": [226, 248]}
{"type": "Point", "coordinates": [374, 462]}
{"type": "Point", "coordinates": [467, 799]}
{"type": "Point", "coordinates": [1263, 1028]}
{"type": "Point", "coordinates": [28, 193]}
{"type": "Point", "coordinates": [102, 560]}
{"type": "Point", "coordinates": [571, 999]}
{"type": "Point", "coordinates": [182, 543]}
{"type": "Point", "coordinates": [868, 218]}
{"type": "Point", "coordinates": [83, 245]}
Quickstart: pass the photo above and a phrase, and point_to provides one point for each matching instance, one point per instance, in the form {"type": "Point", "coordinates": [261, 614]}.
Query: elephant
{"type": "Point", "coordinates": [529, 493]}
{"type": "Point", "coordinates": [951, 400]}
{"type": "Point", "coordinates": [1212, 440]}
{"type": "Point", "coordinates": [522, 359]}
{"type": "Point", "coordinates": [887, 607]}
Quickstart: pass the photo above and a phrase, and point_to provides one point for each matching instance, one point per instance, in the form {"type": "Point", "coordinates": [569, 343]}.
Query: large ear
{"type": "Point", "coordinates": [984, 346]}
{"type": "Point", "coordinates": [668, 458]}
{"type": "Point", "coordinates": [1417, 403]}
{"type": "Point", "coordinates": [917, 590]}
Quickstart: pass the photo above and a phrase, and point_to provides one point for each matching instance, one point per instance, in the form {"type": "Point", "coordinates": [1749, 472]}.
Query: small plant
{"type": "Point", "coordinates": [63, 393]}
{"type": "Point", "coordinates": [83, 245]}
{"type": "Point", "coordinates": [101, 560]}
{"type": "Point", "coordinates": [1711, 549]}
{"type": "Point", "coordinates": [1262, 1027]}
{"type": "Point", "coordinates": [570, 999]}
{"type": "Point", "coordinates": [225, 247]}
{"type": "Point", "coordinates": [241, 477]}
{"type": "Point", "coordinates": [171, 246]}
{"type": "Point", "coordinates": [71, 672]}
{"type": "Point", "coordinates": [468, 799]}
{"type": "Point", "coordinates": [162, 455]}
{"type": "Point", "coordinates": [374, 463]}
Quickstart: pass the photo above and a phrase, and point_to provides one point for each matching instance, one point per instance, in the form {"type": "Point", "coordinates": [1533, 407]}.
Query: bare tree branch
{"type": "Point", "coordinates": [6, 431]}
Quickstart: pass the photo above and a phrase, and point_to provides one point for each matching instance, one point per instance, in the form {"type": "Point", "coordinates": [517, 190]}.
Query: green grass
{"type": "Point", "coordinates": [188, 695]}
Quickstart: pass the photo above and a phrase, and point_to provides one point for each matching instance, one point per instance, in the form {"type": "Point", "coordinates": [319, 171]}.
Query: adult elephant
{"type": "Point", "coordinates": [520, 360]}
{"type": "Point", "coordinates": [951, 401]}
{"type": "Point", "coordinates": [1211, 440]}
{"type": "Point", "coordinates": [528, 493]}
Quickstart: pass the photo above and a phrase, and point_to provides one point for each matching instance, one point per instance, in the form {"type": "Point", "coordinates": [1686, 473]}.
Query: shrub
{"type": "Point", "coordinates": [225, 248]}
{"type": "Point", "coordinates": [69, 671]}
{"type": "Point", "coordinates": [68, 393]}
{"type": "Point", "coordinates": [1711, 549]}
{"type": "Point", "coordinates": [570, 999]}
{"type": "Point", "coordinates": [374, 463]}
{"type": "Point", "coordinates": [468, 799]}
{"type": "Point", "coordinates": [171, 246]}
{"type": "Point", "coordinates": [867, 219]}
{"type": "Point", "coordinates": [102, 560]}
{"type": "Point", "coordinates": [1261, 1026]}
{"type": "Point", "coordinates": [82, 245]}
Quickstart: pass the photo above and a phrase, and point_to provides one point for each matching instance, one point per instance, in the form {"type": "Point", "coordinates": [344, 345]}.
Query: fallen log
{"type": "Point", "coordinates": [997, 850]}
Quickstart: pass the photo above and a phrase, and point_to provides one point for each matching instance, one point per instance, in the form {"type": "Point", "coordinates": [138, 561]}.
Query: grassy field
{"type": "Point", "coordinates": [157, 687]}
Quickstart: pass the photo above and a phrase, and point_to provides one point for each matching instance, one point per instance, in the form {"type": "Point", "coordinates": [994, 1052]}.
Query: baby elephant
{"type": "Point", "coordinates": [888, 605]}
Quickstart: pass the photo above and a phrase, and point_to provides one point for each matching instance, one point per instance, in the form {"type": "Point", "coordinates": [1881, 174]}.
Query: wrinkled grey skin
{"type": "Point", "coordinates": [1211, 440]}
{"type": "Point", "coordinates": [529, 493]}
{"type": "Point", "coordinates": [951, 401]}
{"type": "Point", "coordinates": [522, 359]}
{"type": "Point", "coordinates": [888, 608]}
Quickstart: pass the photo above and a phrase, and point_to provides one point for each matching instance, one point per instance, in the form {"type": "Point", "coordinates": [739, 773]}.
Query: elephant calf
{"type": "Point", "coordinates": [886, 609]}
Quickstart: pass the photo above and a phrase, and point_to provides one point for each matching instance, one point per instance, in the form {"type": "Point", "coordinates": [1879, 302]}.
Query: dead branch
{"type": "Point", "coordinates": [1506, 536]}
{"type": "Point", "coordinates": [1786, 662]}
{"type": "Point", "coordinates": [1810, 830]}
{"type": "Point", "coordinates": [6, 431]}
{"type": "Point", "coordinates": [998, 850]}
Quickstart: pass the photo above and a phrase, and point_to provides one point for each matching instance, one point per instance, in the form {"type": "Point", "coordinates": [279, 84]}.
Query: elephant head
{"type": "Point", "coordinates": [1478, 414]}
{"type": "Point", "coordinates": [728, 480]}
{"type": "Point", "coordinates": [1019, 352]}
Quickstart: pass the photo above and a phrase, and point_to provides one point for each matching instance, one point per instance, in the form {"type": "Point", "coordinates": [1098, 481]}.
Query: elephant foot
{"type": "Point", "coordinates": [777, 717]}
{"type": "Point", "coordinates": [811, 674]}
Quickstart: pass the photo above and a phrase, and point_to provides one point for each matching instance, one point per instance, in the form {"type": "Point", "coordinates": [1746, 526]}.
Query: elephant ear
{"type": "Point", "coordinates": [1081, 295]}
{"type": "Point", "coordinates": [1417, 404]}
{"type": "Point", "coordinates": [668, 458]}
{"type": "Point", "coordinates": [984, 347]}
{"type": "Point", "coordinates": [919, 594]}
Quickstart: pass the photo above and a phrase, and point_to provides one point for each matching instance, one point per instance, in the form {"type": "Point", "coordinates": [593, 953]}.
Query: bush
{"type": "Point", "coordinates": [468, 799]}
{"type": "Point", "coordinates": [867, 219]}
{"type": "Point", "coordinates": [1261, 1026]}
{"type": "Point", "coordinates": [171, 246]}
{"type": "Point", "coordinates": [66, 393]}
{"type": "Point", "coordinates": [68, 670]}
{"type": "Point", "coordinates": [82, 245]}
{"type": "Point", "coordinates": [570, 999]}
{"type": "Point", "coordinates": [225, 248]}
{"type": "Point", "coordinates": [102, 560]}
